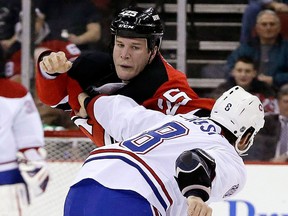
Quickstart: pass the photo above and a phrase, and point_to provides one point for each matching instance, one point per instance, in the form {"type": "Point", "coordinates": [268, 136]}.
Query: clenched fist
{"type": "Point", "coordinates": [196, 207]}
{"type": "Point", "coordinates": [56, 62]}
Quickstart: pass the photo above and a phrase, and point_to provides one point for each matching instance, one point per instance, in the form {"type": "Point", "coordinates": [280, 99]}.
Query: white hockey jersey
{"type": "Point", "coordinates": [20, 123]}
{"type": "Point", "coordinates": [145, 162]}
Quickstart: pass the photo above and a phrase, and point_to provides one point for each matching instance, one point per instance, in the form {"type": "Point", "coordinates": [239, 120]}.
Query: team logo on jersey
{"type": "Point", "coordinates": [231, 191]}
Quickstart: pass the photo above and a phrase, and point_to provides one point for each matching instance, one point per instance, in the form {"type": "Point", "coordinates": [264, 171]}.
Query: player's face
{"type": "Point", "coordinates": [243, 74]}
{"type": "Point", "coordinates": [130, 56]}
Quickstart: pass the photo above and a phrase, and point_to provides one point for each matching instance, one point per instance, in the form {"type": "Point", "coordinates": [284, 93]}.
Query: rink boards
{"type": "Point", "coordinates": [265, 193]}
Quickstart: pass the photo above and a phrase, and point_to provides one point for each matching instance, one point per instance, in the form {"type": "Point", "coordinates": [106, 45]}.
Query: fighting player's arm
{"type": "Point", "coordinates": [195, 171]}
{"type": "Point", "coordinates": [54, 63]}
{"type": "Point", "coordinates": [51, 77]}
{"type": "Point", "coordinates": [119, 115]}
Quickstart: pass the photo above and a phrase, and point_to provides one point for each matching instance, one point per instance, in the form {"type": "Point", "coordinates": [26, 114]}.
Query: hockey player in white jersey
{"type": "Point", "coordinates": [174, 166]}
{"type": "Point", "coordinates": [23, 173]}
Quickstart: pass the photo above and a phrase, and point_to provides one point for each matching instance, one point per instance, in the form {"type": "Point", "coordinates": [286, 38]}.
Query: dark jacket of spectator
{"type": "Point", "coordinates": [265, 142]}
{"type": "Point", "coordinates": [277, 61]}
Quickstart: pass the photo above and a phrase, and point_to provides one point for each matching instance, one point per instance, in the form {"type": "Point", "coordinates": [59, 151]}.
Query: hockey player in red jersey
{"type": "Point", "coordinates": [137, 70]}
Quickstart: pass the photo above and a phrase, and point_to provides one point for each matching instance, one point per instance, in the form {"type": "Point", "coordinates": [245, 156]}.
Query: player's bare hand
{"type": "Point", "coordinates": [82, 111]}
{"type": "Point", "coordinates": [56, 62]}
{"type": "Point", "coordinates": [197, 207]}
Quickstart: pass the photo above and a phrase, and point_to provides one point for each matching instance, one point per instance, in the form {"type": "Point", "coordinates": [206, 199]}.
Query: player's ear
{"type": "Point", "coordinates": [153, 53]}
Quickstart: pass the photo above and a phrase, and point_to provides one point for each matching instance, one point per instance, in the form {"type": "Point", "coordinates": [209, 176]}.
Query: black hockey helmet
{"type": "Point", "coordinates": [137, 22]}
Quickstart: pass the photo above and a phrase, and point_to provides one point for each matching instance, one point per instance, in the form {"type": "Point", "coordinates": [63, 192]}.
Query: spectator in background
{"type": "Point", "coordinates": [244, 74]}
{"type": "Point", "coordinates": [251, 12]}
{"type": "Point", "coordinates": [271, 144]}
{"type": "Point", "coordinates": [23, 170]}
{"type": "Point", "coordinates": [79, 22]}
{"type": "Point", "coordinates": [42, 42]}
{"type": "Point", "coordinates": [51, 118]}
{"type": "Point", "coordinates": [9, 11]}
{"type": "Point", "coordinates": [268, 49]}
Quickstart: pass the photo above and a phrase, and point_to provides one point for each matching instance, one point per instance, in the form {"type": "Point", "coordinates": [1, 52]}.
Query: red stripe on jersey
{"type": "Point", "coordinates": [155, 211]}
{"type": "Point", "coordinates": [133, 155]}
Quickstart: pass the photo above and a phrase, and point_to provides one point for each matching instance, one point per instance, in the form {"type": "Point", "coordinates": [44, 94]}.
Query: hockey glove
{"type": "Point", "coordinates": [195, 170]}
{"type": "Point", "coordinates": [34, 170]}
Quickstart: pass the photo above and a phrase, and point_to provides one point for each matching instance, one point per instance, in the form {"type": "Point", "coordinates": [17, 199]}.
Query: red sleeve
{"type": "Point", "coordinates": [176, 96]}
{"type": "Point", "coordinates": [52, 91]}
{"type": "Point", "coordinates": [173, 98]}
{"type": "Point", "coordinates": [73, 89]}
{"type": "Point", "coordinates": [90, 105]}
{"type": "Point", "coordinates": [90, 127]}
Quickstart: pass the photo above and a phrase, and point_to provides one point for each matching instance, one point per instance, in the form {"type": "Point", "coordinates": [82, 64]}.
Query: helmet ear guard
{"type": "Point", "coordinates": [248, 137]}
{"type": "Point", "coordinates": [241, 113]}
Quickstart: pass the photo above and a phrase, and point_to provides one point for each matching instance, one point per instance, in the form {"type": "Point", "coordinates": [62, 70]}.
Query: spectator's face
{"type": "Point", "coordinates": [283, 105]}
{"type": "Point", "coordinates": [268, 27]}
{"type": "Point", "coordinates": [130, 56]}
{"type": "Point", "coordinates": [243, 74]}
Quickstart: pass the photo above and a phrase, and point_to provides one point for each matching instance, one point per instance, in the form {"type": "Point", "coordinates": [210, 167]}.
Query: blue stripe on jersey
{"type": "Point", "coordinates": [142, 172]}
{"type": "Point", "coordinates": [11, 177]}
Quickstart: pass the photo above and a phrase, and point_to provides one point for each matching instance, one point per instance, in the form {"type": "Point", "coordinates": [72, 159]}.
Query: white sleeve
{"type": "Point", "coordinates": [122, 117]}
{"type": "Point", "coordinates": [28, 129]}
{"type": "Point", "coordinates": [230, 174]}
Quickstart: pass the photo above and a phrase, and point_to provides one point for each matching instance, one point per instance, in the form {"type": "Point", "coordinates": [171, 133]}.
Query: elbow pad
{"type": "Point", "coordinates": [195, 170]}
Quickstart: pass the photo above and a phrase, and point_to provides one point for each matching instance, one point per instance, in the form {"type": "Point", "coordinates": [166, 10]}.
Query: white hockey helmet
{"type": "Point", "coordinates": [239, 112]}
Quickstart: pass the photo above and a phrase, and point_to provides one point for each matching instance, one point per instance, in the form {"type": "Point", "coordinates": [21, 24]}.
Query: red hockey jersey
{"type": "Point", "coordinates": [159, 87]}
